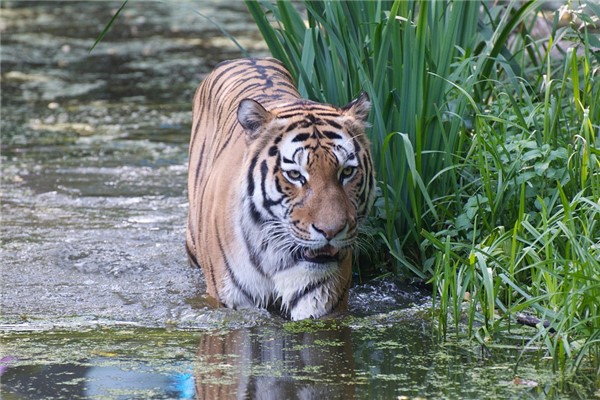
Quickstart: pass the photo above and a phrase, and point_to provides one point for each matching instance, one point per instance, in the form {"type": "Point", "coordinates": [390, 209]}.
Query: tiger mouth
{"type": "Point", "coordinates": [322, 255]}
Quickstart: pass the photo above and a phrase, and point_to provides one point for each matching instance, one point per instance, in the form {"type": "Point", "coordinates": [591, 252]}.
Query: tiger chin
{"type": "Point", "coordinates": [277, 186]}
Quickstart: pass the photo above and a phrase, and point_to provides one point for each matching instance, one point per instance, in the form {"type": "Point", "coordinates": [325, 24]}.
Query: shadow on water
{"type": "Point", "coordinates": [97, 299]}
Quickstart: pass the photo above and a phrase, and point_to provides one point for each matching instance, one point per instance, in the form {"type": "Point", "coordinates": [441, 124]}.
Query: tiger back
{"type": "Point", "coordinates": [277, 186]}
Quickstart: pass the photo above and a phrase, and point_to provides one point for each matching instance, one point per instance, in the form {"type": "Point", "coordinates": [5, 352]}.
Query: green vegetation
{"type": "Point", "coordinates": [486, 138]}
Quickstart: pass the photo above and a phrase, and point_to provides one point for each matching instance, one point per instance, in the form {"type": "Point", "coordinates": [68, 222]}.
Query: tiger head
{"type": "Point", "coordinates": [310, 175]}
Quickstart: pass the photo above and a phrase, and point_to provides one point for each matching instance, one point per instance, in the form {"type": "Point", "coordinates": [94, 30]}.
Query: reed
{"type": "Point", "coordinates": [525, 236]}
{"type": "Point", "coordinates": [486, 148]}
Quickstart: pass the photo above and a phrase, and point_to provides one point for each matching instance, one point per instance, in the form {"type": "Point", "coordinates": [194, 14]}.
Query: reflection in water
{"type": "Point", "coordinates": [267, 363]}
{"type": "Point", "coordinates": [95, 378]}
{"type": "Point", "coordinates": [384, 356]}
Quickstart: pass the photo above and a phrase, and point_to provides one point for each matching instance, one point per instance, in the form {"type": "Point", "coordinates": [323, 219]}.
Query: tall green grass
{"type": "Point", "coordinates": [406, 55]}
{"type": "Point", "coordinates": [525, 238]}
{"type": "Point", "coordinates": [486, 148]}
{"type": "Point", "coordinates": [399, 53]}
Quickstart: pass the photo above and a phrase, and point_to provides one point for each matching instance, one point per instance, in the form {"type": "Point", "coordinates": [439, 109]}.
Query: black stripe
{"type": "Point", "coordinates": [222, 63]}
{"type": "Point", "coordinates": [305, 292]}
{"type": "Point", "coordinates": [267, 201]}
{"type": "Point", "coordinates": [214, 281]}
{"type": "Point", "coordinates": [331, 134]}
{"type": "Point", "coordinates": [317, 107]}
{"type": "Point", "coordinates": [274, 67]}
{"type": "Point", "coordinates": [254, 214]}
{"type": "Point", "coordinates": [191, 257]}
{"type": "Point", "coordinates": [368, 171]}
{"type": "Point", "coordinates": [331, 122]}
{"type": "Point", "coordinates": [194, 263]}
{"type": "Point", "coordinates": [362, 197]}
{"type": "Point", "coordinates": [356, 145]}
{"type": "Point", "coordinates": [230, 134]}
{"type": "Point", "coordinates": [296, 152]}
{"type": "Point", "coordinates": [278, 185]}
{"type": "Point", "coordinates": [197, 96]}
{"type": "Point", "coordinates": [306, 123]}
{"type": "Point", "coordinates": [325, 114]}
{"type": "Point", "coordinates": [289, 86]}
{"type": "Point", "coordinates": [250, 176]}
{"type": "Point", "coordinates": [224, 71]}
{"type": "Point", "coordinates": [234, 280]}
{"type": "Point", "coordinates": [283, 93]}
{"type": "Point", "coordinates": [292, 126]}
{"type": "Point", "coordinates": [199, 164]}
{"type": "Point", "coordinates": [289, 114]}
{"type": "Point", "coordinates": [216, 77]}
{"type": "Point", "coordinates": [189, 228]}
{"type": "Point", "coordinates": [254, 260]}
{"type": "Point", "coordinates": [300, 137]}
{"type": "Point", "coordinates": [198, 198]}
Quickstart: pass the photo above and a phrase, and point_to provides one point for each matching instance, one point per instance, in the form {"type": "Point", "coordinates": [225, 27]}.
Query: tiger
{"type": "Point", "coordinates": [277, 187]}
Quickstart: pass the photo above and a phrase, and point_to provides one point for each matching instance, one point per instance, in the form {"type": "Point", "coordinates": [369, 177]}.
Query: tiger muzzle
{"type": "Point", "coordinates": [322, 255]}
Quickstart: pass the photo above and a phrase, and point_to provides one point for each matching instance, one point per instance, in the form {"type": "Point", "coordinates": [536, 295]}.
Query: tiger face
{"type": "Point", "coordinates": [315, 179]}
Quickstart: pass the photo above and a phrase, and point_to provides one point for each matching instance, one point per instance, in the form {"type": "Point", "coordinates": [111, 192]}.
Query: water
{"type": "Point", "coordinates": [384, 356]}
{"type": "Point", "coordinates": [98, 300]}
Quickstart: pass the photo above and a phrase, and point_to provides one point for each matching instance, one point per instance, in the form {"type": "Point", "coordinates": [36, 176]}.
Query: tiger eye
{"type": "Point", "coordinates": [293, 174]}
{"type": "Point", "coordinates": [347, 171]}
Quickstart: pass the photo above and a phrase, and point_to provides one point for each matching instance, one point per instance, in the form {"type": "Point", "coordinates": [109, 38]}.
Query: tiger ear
{"type": "Point", "coordinates": [252, 116]}
{"type": "Point", "coordinates": [359, 108]}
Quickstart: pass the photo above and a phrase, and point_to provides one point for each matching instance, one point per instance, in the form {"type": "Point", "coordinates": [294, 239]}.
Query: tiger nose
{"type": "Point", "coordinates": [329, 232]}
